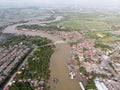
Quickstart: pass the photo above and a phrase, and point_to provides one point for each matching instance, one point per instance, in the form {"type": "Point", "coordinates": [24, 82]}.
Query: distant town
{"type": "Point", "coordinates": [79, 47]}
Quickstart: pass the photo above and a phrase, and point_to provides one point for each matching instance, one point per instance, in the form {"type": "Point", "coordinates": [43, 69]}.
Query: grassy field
{"type": "Point", "coordinates": [84, 24]}
{"type": "Point", "coordinates": [91, 20]}
{"type": "Point", "coordinates": [93, 24]}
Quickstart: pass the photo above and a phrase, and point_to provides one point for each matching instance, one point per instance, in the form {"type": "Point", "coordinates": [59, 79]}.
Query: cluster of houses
{"type": "Point", "coordinates": [96, 69]}
{"type": "Point", "coordinates": [116, 66]}
{"type": "Point", "coordinates": [112, 85]}
{"type": "Point", "coordinates": [9, 58]}
{"type": "Point", "coordinates": [73, 36]}
{"type": "Point", "coordinates": [90, 57]}
{"type": "Point", "coordinates": [37, 83]}
{"type": "Point", "coordinates": [114, 82]}
{"type": "Point", "coordinates": [106, 84]}
{"type": "Point", "coordinates": [96, 61]}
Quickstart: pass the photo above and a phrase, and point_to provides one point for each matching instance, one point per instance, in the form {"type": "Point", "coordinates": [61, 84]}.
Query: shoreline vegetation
{"type": "Point", "coordinates": [46, 28]}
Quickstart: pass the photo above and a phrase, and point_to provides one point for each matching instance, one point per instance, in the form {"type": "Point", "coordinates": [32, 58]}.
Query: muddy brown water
{"type": "Point", "coordinates": [59, 69]}
{"type": "Point", "coordinates": [58, 62]}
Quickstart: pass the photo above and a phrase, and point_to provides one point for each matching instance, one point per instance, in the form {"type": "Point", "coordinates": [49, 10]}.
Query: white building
{"type": "Point", "coordinates": [100, 85]}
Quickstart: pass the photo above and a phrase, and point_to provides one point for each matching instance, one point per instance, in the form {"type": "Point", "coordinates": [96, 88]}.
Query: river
{"type": "Point", "coordinates": [58, 62]}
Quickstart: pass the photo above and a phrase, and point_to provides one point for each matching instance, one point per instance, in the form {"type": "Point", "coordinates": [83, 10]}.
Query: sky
{"type": "Point", "coordinates": [59, 2]}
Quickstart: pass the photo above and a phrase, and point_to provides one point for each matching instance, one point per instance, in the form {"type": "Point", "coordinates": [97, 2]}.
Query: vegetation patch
{"type": "Point", "coordinates": [104, 47]}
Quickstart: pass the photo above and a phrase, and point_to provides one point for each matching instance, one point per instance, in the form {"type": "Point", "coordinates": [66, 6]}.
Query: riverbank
{"type": "Point", "coordinates": [58, 62]}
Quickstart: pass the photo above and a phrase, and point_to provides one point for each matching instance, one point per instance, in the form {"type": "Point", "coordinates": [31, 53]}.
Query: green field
{"type": "Point", "coordinates": [84, 24]}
